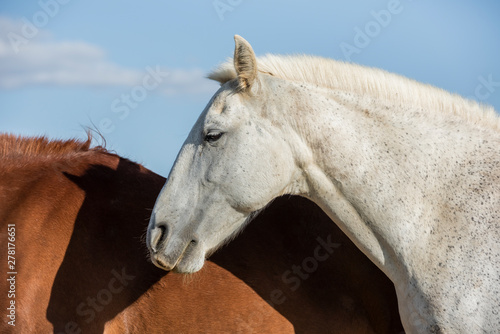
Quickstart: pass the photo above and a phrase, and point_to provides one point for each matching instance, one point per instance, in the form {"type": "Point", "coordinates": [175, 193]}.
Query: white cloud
{"type": "Point", "coordinates": [43, 61]}
{"type": "Point", "coordinates": [61, 63]}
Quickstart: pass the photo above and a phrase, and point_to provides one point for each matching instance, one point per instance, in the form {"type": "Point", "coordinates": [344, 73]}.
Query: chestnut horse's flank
{"type": "Point", "coordinates": [79, 214]}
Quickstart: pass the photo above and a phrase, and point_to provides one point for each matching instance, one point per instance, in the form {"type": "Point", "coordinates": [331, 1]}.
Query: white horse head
{"type": "Point", "coordinates": [409, 172]}
{"type": "Point", "coordinates": [231, 165]}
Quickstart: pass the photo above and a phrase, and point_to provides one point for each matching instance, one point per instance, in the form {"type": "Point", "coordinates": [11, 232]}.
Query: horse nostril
{"type": "Point", "coordinates": [159, 235]}
{"type": "Point", "coordinates": [163, 233]}
{"type": "Point", "coordinates": [193, 242]}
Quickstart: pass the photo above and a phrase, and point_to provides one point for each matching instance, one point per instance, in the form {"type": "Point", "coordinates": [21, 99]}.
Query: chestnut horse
{"type": "Point", "coordinates": [72, 218]}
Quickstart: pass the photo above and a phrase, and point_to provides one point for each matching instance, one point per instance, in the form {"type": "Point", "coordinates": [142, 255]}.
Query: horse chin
{"type": "Point", "coordinates": [185, 266]}
{"type": "Point", "coordinates": [177, 254]}
{"type": "Point", "coordinates": [190, 261]}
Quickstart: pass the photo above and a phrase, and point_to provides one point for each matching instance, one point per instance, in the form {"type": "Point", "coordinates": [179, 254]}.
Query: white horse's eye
{"type": "Point", "coordinates": [212, 137]}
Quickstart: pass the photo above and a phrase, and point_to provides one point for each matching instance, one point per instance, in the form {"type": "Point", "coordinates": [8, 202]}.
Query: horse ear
{"type": "Point", "coordinates": [244, 63]}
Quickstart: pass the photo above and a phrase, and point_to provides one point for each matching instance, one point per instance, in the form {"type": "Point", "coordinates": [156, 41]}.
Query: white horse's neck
{"type": "Point", "coordinates": [371, 167]}
{"type": "Point", "coordinates": [400, 183]}
{"type": "Point", "coordinates": [336, 128]}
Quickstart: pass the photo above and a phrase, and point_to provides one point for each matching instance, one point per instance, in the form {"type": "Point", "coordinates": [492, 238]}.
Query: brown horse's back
{"type": "Point", "coordinates": [79, 216]}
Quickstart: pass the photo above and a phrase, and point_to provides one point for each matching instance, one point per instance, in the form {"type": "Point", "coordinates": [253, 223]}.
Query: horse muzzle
{"type": "Point", "coordinates": [167, 250]}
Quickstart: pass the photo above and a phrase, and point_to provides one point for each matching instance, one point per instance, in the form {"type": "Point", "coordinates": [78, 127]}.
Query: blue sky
{"type": "Point", "coordinates": [136, 69]}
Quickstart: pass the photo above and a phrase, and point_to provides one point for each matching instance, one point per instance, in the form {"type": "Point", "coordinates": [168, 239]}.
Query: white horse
{"type": "Point", "coordinates": [409, 172]}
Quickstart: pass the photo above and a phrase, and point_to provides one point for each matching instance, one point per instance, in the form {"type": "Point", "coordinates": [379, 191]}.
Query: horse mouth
{"type": "Point", "coordinates": [159, 258]}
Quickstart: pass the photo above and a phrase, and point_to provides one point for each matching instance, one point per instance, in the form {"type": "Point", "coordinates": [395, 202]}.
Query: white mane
{"type": "Point", "coordinates": [333, 74]}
